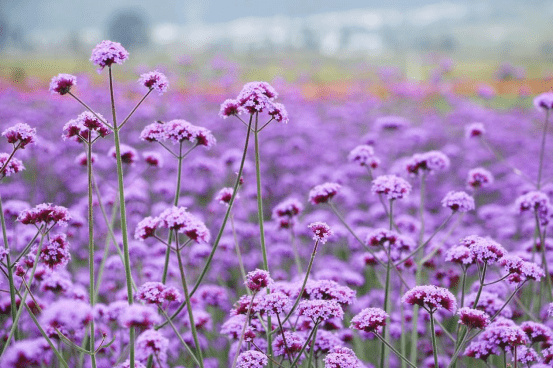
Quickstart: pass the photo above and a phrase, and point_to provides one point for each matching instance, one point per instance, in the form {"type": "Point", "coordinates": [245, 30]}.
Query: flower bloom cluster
{"type": "Point", "coordinates": [458, 201]}
{"type": "Point", "coordinates": [252, 359]}
{"type": "Point", "coordinates": [152, 342]}
{"type": "Point", "coordinates": [20, 135]}
{"type": "Point", "coordinates": [544, 102]}
{"type": "Point", "coordinates": [108, 52]}
{"type": "Point", "coordinates": [323, 193]}
{"type": "Point", "coordinates": [78, 129]}
{"type": "Point", "coordinates": [475, 130]}
{"type": "Point", "coordinates": [392, 186]}
{"type": "Point", "coordinates": [128, 154]}
{"type": "Point", "coordinates": [258, 279]}
{"type": "Point", "coordinates": [286, 212]}
{"type": "Point", "coordinates": [45, 215]}
{"type": "Point", "coordinates": [139, 316]}
{"type": "Point", "coordinates": [431, 298]}
{"type": "Point", "coordinates": [364, 155]}
{"type": "Point", "coordinates": [369, 320]}
{"type": "Point", "coordinates": [341, 357]}
{"type": "Point", "coordinates": [177, 219]}
{"type": "Point", "coordinates": [9, 167]}
{"type": "Point", "coordinates": [321, 231]}
{"type": "Point", "coordinates": [521, 270]}
{"type": "Point", "coordinates": [428, 162]}
{"type": "Point", "coordinates": [225, 195]}
{"type": "Point", "coordinates": [294, 343]}
{"type": "Point", "coordinates": [177, 131]}
{"type": "Point", "coordinates": [55, 252]}
{"type": "Point", "coordinates": [320, 310]}
{"type": "Point", "coordinates": [472, 318]}
{"type": "Point", "coordinates": [479, 178]}
{"type": "Point", "coordinates": [484, 250]}
{"type": "Point", "coordinates": [154, 81]}
{"type": "Point", "coordinates": [157, 293]}
{"type": "Point", "coordinates": [62, 83]}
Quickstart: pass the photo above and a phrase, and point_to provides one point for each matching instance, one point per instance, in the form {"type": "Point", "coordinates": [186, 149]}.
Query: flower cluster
{"type": "Point", "coordinates": [177, 131]}
{"type": "Point", "coordinates": [392, 186]}
{"type": "Point", "coordinates": [45, 215]}
{"type": "Point", "coordinates": [177, 219]}
{"type": "Point", "coordinates": [108, 52]}
{"type": "Point", "coordinates": [431, 298]}
{"type": "Point", "coordinates": [369, 320]}
{"type": "Point", "coordinates": [364, 155]}
{"type": "Point", "coordinates": [428, 162]}
{"type": "Point", "coordinates": [323, 193]}
{"type": "Point", "coordinates": [20, 135]}
{"type": "Point", "coordinates": [458, 201]}
{"type": "Point", "coordinates": [154, 81]}
{"type": "Point", "coordinates": [321, 231]}
{"type": "Point", "coordinates": [157, 293]}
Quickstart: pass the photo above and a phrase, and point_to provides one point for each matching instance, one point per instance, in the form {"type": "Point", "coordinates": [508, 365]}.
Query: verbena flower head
{"type": "Point", "coordinates": [82, 159]}
{"type": "Point", "coordinates": [230, 107]}
{"type": "Point", "coordinates": [67, 315]}
{"type": "Point", "coordinates": [479, 178]}
{"type": "Point", "coordinates": [472, 318]}
{"type": "Point", "coordinates": [45, 215]}
{"type": "Point", "coordinates": [55, 252]}
{"type": "Point", "coordinates": [460, 255]}
{"type": "Point", "coordinates": [504, 336]}
{"type": "Point", "coordinates": [258, 279]}
{"type": "Point", "coordinates": [329, 290]}
{"type": "Point", "coordinates": [274, 303]}
{"type": "Point", "coordinates": [278, 112]}
{"type": "Point", "coordinates": [431, 298]}
{"type": "Point", "coordinates": [27, 353]}
{"type": "Point", "coordinates": [341, 357]}
{"type": "Point", "coordinates": [484, 250]}
{"type": "Point", "coordinates": [320, 310]}
{"type": "Point", "coordinates": [157, 293]}
{"type": "Point", "coordinates": [152, 342]}
{"type": "Point", "coordinates": [252, 359]}
{"type": "Point", "coordinates": [225, 195]}
{"type": "Point", "coordinates": [256, 97]}
{"type": "Point", "coordinates": [389, 239]}
{"type": "Point", "coordinates": [428, 162]}
{"type": "Point", "coordinates": [177, 131]}
{"type": "Point", "coordinates": [392, 186]}
{"type": "Point", "coordinates": [544, 102]}
{"type": "Point", "coordinates": [458, 201]}
{"type": "Point", "coordinates": [293, 345]}
{"type": "Point", "coordinates": [146, 228]}
{"type": "Point", "coordinates": [369, 320]}
{"type": "Point", "coordinates": [13, 166]}
{"type": "Point", "coordinates": [289, 208]}
{"type": "Point", "coordinates": [321, 231]}
{"type": "Point", "coordinates": [177, 218]}
{"type": "Point", "coordinates": [90, 122]}
{"type": "Point", "coordinates": [128, 154]}
{"type": "Point", "coordinates": [139, 316]}
{"type": "Point", "coordinates": [153, 159]}
{"type": "Point", "coordinates": [154, 80]}
{"type": "Point", "coordinates": [475, 130]}
{"type": "Point", "coordinates": [537, 332]}
{"type": "Point", "coordinates": [62, 83]}
{"type": "Point", "coordinates": [537, 202]}
{"type": "Point", "coordinates": [323, 193]}
{"type": "Point", "coordinates": [108, 52]}
{"type": "Point", "coordinates": [20, 135]}
{"type": "Point", "coordinates": [364, 155]}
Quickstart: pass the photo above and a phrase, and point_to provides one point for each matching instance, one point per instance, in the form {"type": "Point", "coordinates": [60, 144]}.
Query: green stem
{"type": "Point", "coordinates": [91, 245]}
{"type": "Point", "coordinates": [542, 147]}
{"type": "Point", "coordinates": [295, 249]}
{"type": "Point", "coordinates": [13, 306]}
{"type": "Point", "coordinates": [544, 259]}
{"type": "Point", "coordinates": [260, 196]}
{"type": "Point", "coordinates": [312, 349]}
{"type": "Point", "coordinates": [238, 253]}
{"type": "Point", "coordinates": [434, 345]}
{"type": "Point", "coordinates": [123, 212]}
{"type": "Point", "coordinates": [394, 350]}
{"type": "Point", "coordinates": [458, 349]}
{"type": "Point", "coordinates": [180, 337]}
{"type": "Point", "coordinates": [306, 343]}
{"type": "Point", "coordinates": [384, 354]}
{"type": "Point", "coordinates": [188, 305]}
{"type": "Point", "coordinates": [481, 286]}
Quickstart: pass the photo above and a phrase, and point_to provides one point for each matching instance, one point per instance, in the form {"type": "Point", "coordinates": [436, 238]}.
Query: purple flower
{"type": "Point", "coordinates": [229, 108]}
{"type": "Point", "coordinates": [157, 293]}
{"type": "Point", "coordinates": [474, 130]}
{"type": "Point", "coordinates": [108, 52]}
{"type": "Point", "coordinates": [225, 195]}
{"type": "Point", "coordinates": [278, 112]}
{"type": "Point", "coordinates": [62, 83]}
{"type": "Point", "coordinates": [128, 154]}
{"type": "Point", "coordinates": [341, 357]}
{"type": "Point", "coordinates": [55, 252]}
{"type": "Point", "coordinates": [256, 97]}
{"type": "Point", "coordinates": [391, 123]}
{"type": "Point", "coordinates": [537, 202]}
{"type": "Point", "coordinates": [537, 332]}
{"type": "Point", "coordinates": [369, 320]}
{"type": "Point", "coordinates": [544, 102]}
{"type": "Point", "coordinates": [273, 304]}
{"type": "Point", "coordinates": [460, 255]}
{"type": "Point", "coordinates": [12, 167]}
{"type": "Point", "coordinates": [392, 186]}
{"type": "Point", "coordinates": [383, 237]}
{"type": "Point", "coordinates": [258, 279]}
{"type": "Point", "coordinates": [320, 310]}
{"type": "Point", "coordinates": [329, 290]}
{"type": "Point", "coordinates": [82, 159]}
{"type": "Point", "coordinates": [252, 359]}
{"type": "Point", "coordinates": [323, 193]}
{"type": "Point", "coordinates": [321, 231]}
{"type": "Point", "coordinates": [180, 220]}
{"type": "Point", "coordinates": [153, 159]}
{"type": "Point", "coordinates": [154, 80]}
{"type": "Point", "coordinates": [45, 215]}
{"type": "Point", "coordinates": [431, 298]}
{"type": "Point", "coordinates": [20, 135]}
{"type": "Point", "coordinates": [428, 162]}
{"type": "Point", "coordinates": [152, 342]}
{"type": "Point", "coordinates": [479, 178]}
{"type": "Point", "coordinates": [139, 316]}
{"type": "Point", "coordinates": [294, 343]}
{"type": "Point", "coordinates": [27, 353]}
{"type": "Point", "coordinates": [473, 319]}
{"type": "Point", "coordinates": [289, 208]}
{"type": "Point", "coordinates": [458, 201]}
{"type": "Point", "coordinates": [364, 155]}
{"type": "Point", "coordinates": [67, 315]}
{"type": "Point", "coordinates": [146, 228]}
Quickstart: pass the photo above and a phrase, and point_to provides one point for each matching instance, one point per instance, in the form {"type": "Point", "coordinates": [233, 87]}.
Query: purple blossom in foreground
{"type": "Point", "coordinates": [320, 310]}
{"type": "Point", "coordinates": [12, 167]}
{"type": "Point", "coordinates": [323, 193]}
{"type": "Point", "coordinates": [472, 318]}
{"type": "Point", "coordinates": [108, 52]}
{"type": "Point", "coordinates": [321, 231]}
{"type": "Point", "coordinates": [62, 83]}
{"type": "Point", "coordinates": [341, 357]}
{"type": "Point", "coordinates": [392, 186]}
{"type": "Point", "coordinates": [258, 279]}
{"type": "Point", "coordinates": [252, 359]}
{"type": "Point", "coordinates": [431, 298]}
{"type": "Point", "coordinates": [55, 252]}
{"type": "Point", "coordinates": [157, 293]}
{"type": "Point", "coordinates": [369, 320]}
{"type": "Point", "coordinates": [544, 102]}
{"type": "Point", "coordinates": [154, 80]}
{"type": "Point", "coordinates": [458, 201]}
{"type": "Point", "coordinates": [139, 316]}
{"type": "Point", "coordinates": [45, 215]}
{"type": "Point", "coordinates": [20, 135]}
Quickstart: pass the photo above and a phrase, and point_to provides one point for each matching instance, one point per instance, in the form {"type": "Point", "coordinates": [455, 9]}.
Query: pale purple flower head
{"type": "Point", "coordinates": [252, 359]}
{"type": "Point", "coordinates": [154, 80]}
{"type": "Point", "coordinates": [153, 159]}
{"type": "Point", "coordinates": [67, 315]}
{"type": "Point", "coordinates": [544, 102]}
{"type": "Point", "coordinates": [289, 208]}
{"type": "Point", "coordinates": [153, 132]}
{"type": "Point", "coordinates": [128, 154]}
{"type": "Point", "coordinates": [473, 319]}
{"type": "Point", "coordinates": [537, 202]}
{"type": "Point", "coordinates": [257, 96]}
{"type": "Point", "coordinates": [278, 112]}
{"type": "Point", "coordinates": [323, 193]}
{"type": "Point", "coordinates": [537, 332]}
{"type": "Point", "coordinates": [146, 228]}
{"type": "Point", "coordinates": [177, 218]}
{"type": "Point", "coordinates": [486, 92]}
{"type": "Point", "coordinates": [139, 316]}
{"type": "Point", "coordinates": [91, 122]}
{"type": "Point", "coordinates": [321, 231]}
{"type": "Point", "coordinates": [484, 250]}
{"type": "Point", "coordinates": [20, 135]}
{"type": "Point", "coordinates": [14, 165]}
{"type": "Point", "coordinates": [383, 237]}
{"type": "Point", "coordinates": [27, 353]}
{"type": "Point", "coordinates": [341, 357]}
{"type": "Point", "coordinates": [82, 159]}
{"type": "Point", "coordinates": [157, 293]}
{"type": "Point", "coordinates": [55, 252]}
{"type": "Point", "coordinates": [274, 303]}
{"type": "Point", "coordinates": [152, 342]}
{"type": "Point", "coordinates": [62, 83]}
{"type": "Point", "coordinates": [108, 52]}
{"type": "Point", "coordinates": [45, 215]}
{"type": "Point", "coordinates": [475, 130]}
{"type": "Point", "coordinates": [319, 310]}
{"type": "Point", "coordinates": [364, 155]}
{"type": "Point", "coordinates": [229, 108]}
{"type": "Point", "coordinates": [504, 336]}
{"type": "Point", "coordinates": [369, 320]}
{"type": "Point", "coordinates": [329, 290]}
{"type": "Point", "coordinates": [460, 255]}
{"type": "Point", "coordinates": [428, 162]}
{"type": "Point", "coordinates": [258, 279]}
{"type": "Point", "coordinates": [431, 298]}
{"type": "Point", "coordinates": [458, 201]}
{"type": "Point", "coordinates": [479, 178]}
{"type": "Point", "coordinates": [392, 186]}
{"type": "Point", "coordinates": [225, 195]}
{"type": "Point", "coordinates": [293, 345]}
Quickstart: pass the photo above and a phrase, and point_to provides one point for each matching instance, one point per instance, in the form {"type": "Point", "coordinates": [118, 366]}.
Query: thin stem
{"type": "Point", "coordinates": [500, 157]}
{"type": "Point", "coordinates": [238, 253]}
{"type": "Point", "coordinates": [295, 250]}
{"type": "Point", "coordinates": [180, 337]}
{"type": "Point", "coordinates": [284, 337]}
{"type": "Point", "coordinates": [306, 343]}
{"type": "Point", "coordinates": [312, 349]}
{"type": "Point", "coordinates": [481, 286]}
{"type": "Point", "coordinates": [394, 350]}
{"type": "Point", "coordinates": [260, 196]}
{"type": "Point", "coordinates": [90, 110]}
{"type": "Point", "coordinates": [188, 305]}
{"type": "Point", "coordinates": [9, 158]}
{"type": "Point", "coordinates": [123, 213]}
{"type": "Point", "coordinates": [459, 348]}
{"type": "Point", "coordinates": [542, 147]}
{"type": "Point", "coordinates": [91, 246]}
{"type": "Point", "coordinates": [544, 259]}
{"type": "Point", "coordinates": [383, 349]}
{"type": "Point", "coordinates": [434, 345]}
{"type": "Point", "coordinates": [136, 107]}
{"type": "Point", "coordinates": [13, 306]}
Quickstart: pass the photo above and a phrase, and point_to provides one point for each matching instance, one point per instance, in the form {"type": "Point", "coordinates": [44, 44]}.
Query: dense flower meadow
{"type": "Point", "coordinates": [253, 227]}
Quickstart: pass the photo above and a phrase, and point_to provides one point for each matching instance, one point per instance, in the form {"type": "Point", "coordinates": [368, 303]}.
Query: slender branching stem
{"type": "Point", "coordinates": [394, 350]}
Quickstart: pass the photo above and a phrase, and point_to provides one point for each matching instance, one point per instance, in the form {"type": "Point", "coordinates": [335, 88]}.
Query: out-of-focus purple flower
{"type": "Point", "coordinates": [293, 345]}
{"type": "Point", "coordinates": [67, 315]}
{"type": "Point", "coordinates": [341, 357]}
{"type": "Point", "coordinates": [526, 355]}
{"type": "Point", "coordinates": [108, 52]}
{"type": "Point", "coordinates": [320, 310]}
{"type": "Point", "coordinates": [45, 215]}
{"type": "Point", "coordinates": [428, 162]}
{"type": "Point", "coordinates": [82, 159]}
{"type": "Point", "coordinates": [13, 166]}
{"type": "Point", "coordinates": [544, 102]}
{"type": "Point", "coordinates": [458, 201]}
{"type": "Point", "coordinates": [364, 155]}
{"type": "Point", "coordinates": [27, 353]}
{"type": "Point", "coordinates": [473, 319]}
{"type": "Point", "coordinates": [550, 310]}
{"type": "Point", "coordinates": [62, 83]}
{"type": "Point", "coordinates": [128, 154]}
{"type": "Point", "coordinates": [479, 178]}
{"type": "Point", "coordinates": [321, 231]}
{"type": "Point", "coordinates": [391, 123]}
{"type": "Point", "coordinates": [153, 159]}
{"type": "Point", "coordinates": [323, 193]}
{"type": "Point", "coordinates": [258, 279]}
{"type": "Point", "coordinates": [252, 359]}
{"type": "Point", "coordinates": [475, 130]}
{"type": "Point", "coordinates": [224, 195]}
{"type": "Point", "coordinates": [392, 186]}
{"type": "Point", "coordinates": [154, 80]}
{"type": "Point", "coordinates": [369, 320]}
{"type": "Point", "coordinates": [55, 252]}
{"type": "Point", "coordinates": [20, 135]}
{"type": "Point", "coordinates": [430, 297]}
{"type": "Point", "coordinates": [157, 293]}
{"type": "Point", "coordinates": [537, 202]}
{"type": "Point", "coordinates": [230, 107]}
{"type": "Point", "coordinates": [139, 316]}
{"type": "Point", "coordinates": [288, 208]}
{"type": "Point", "coordinates": [486, 92]}
{"type": "Point", "coordinates": [152, 342]}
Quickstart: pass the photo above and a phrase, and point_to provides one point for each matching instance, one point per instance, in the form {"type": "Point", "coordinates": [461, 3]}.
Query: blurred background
{"type": "Point", "coordinates": [313, 40]}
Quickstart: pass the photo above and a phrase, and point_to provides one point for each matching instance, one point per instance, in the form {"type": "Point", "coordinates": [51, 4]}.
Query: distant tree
{"type": "Point", "coordinates": [130, 28]}
{"type": "Point", "coordinates": [447, 44]}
